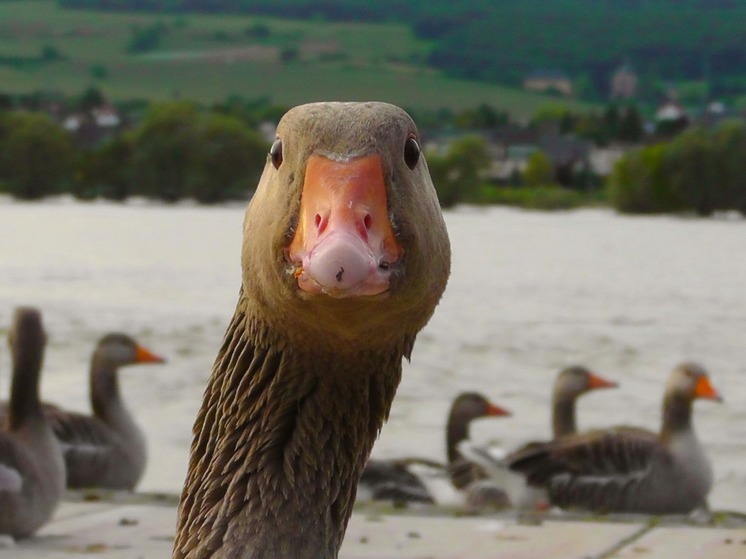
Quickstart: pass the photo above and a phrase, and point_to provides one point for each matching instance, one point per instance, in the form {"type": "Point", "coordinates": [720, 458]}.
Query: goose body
{"type": "Point", "coordinates": [626, 469]}
{"type": "Point", "coordinates": [345, 257]}
{"type": "Point", "coordinates": [32, 471]}
{"type": "Point", "coordinates": [419, 480]}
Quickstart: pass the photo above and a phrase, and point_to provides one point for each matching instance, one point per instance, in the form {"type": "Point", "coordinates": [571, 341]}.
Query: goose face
{"type": "Point", "coordinates": [576, 380]}
{"type": "Point", "coordinates": [345, 226]}
{"type": "Point", "coordinates": [120, 350]}
{"type": "Point", "coordinates": [691, 381]}
{"type": "Point", "coordinates": [471, 405]}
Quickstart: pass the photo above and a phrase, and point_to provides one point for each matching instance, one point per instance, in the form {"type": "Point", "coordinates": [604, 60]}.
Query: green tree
{"type": "Point", "coordinates": [639, 183]}
{"type": "Point", "coordinates": [539, 170]}
{"type": "Point", "coordinates": [91, 98]}
{"type": "Point", "coordinates": [729, 143]}
{"type": "Point", "coordinates": [107, 171]}
{"type": "Point", "coordinates": [163, 146]}
{"type": "Point", "coordinates": [692, 171]}
{"type": "Point", "coordinates": [227, 161]}
{"type": "Point", "coordinates": [146, 39]}
{"type": "Point", "coordinates": [180, 151]}
{"type": "Point", "coordinates": [631, 125]}
{"type": "Point", "coordinates": [37, 156]}
{"type": "Point", "coordinates": [458, 175]}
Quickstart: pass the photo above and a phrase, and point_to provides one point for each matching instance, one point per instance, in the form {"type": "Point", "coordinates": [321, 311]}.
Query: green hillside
{"type": "Point", "coordinates": [696, 44]}
{"type": "Point", "coordinates": [208, 58]}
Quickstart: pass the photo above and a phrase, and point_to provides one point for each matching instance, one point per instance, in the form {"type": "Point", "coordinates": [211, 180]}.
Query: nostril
{"type": "Point", "coordinates": [320, 223]}
{"type": "Point", "coordinates": [368, 221]}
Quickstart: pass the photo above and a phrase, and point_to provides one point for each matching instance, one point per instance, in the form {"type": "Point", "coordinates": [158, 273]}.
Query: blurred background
{"type": "Point", "coordinates": [590, 156]}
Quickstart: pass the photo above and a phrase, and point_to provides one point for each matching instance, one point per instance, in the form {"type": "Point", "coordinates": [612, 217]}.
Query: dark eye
{"type": "Point", "coordinates": [411, 152]}
{"type": "Point", "coordinates": [275, 152]}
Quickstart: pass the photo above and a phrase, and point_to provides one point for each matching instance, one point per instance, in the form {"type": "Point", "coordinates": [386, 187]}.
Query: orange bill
{"type": "Point", "coordinates": [143, 355]}
{"type": "Point", "coordinates": [704, 389]}
{"type": "Point", "coordinates": [493, 410]}
{"type": "Point", "coordinates": [595, 382]}
{"type": "Point", "coordinates": [344, 244]}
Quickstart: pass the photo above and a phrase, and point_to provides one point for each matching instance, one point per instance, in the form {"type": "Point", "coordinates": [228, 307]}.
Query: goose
{"type": "Point", "coordinates": [571, 383]}
{"type": "Point", "coordinates": [411, 479]}
{"type": "Point", "coordinates": [345, 257]}
{"type": "Point", "coordinates": [627, 469]}
{"type": "Point", "coordinates": [106, 450]}
{"type": "Point", "coordinates": [32, 470]}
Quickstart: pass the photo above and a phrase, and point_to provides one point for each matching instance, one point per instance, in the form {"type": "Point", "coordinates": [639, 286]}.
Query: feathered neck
{"type": "Point", "coordinates": [280, 443]}
{"type": "Point", "coordinates": [677, 415]}
{"type": "Point", "coordinates": [104, 386]}
{"type": "Point", "coordinates": [457, 430]}
{"type": "Point", "coordinates": [24, 402]}
{"type": "Point", "coordinates": [563, 414]}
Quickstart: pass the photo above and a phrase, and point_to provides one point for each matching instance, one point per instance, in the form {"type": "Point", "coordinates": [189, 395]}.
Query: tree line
{"type": "Point", "coordinates": [702, 170]}
{"type": "Point", "coordinates": [179, 150]}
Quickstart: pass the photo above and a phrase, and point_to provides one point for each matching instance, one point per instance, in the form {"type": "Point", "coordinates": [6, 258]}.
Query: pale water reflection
{"type": "Point", "coordinates": [530, 293]}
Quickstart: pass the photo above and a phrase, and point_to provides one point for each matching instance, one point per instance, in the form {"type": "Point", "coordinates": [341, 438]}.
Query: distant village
{"type": "Point", "coordinates": [93, 120]}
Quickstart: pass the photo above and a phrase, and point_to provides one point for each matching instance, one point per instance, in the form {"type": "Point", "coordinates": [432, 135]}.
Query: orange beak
{"type": "Point", "coordinates": [143, 355]}
{"type": "Point", "coordinates": [595, 382]}
{"type": "Point", "coordinates": [494, 411]}
{"type": "Point", "coordinates": [344, 244]}
{"type": "Point", "coordinates": [703, 389]}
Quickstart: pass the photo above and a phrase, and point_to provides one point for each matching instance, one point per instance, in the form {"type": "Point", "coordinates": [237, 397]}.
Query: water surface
{"type": "Point", "coordinates": [530, 293]}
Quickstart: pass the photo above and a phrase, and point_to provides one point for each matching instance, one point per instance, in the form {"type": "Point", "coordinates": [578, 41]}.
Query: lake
{"type": "Point", "coordinates": [530, 293]}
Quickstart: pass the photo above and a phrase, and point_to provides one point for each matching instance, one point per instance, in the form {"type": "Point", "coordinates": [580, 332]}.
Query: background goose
{"type": "Point", "coordinates": [626, 469]}
{"type": "Point", "coordinates": [570, 383]}
{"type": "Point", "coordinates": [413, 479]}
{"type": "Point", "coordinates": [107, 449]}
{"type": "Point", "coordinates": [345, 257]}
{"type": "Point", "coordinates": [32, 471]}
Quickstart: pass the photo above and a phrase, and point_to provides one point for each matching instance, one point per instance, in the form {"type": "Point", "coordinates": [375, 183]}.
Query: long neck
{"type": "Point", "coordinates": [106, 401]}
{"type": "Point", "coordinates": [457, 430]}
{"type": "Point", "coordinates": [279, 446]}
{"type": "Point", "coordinates": [24, 391]}
{"type": "Point", "coordinates": [677, 415]}
{"type": "Point", "coordinates": [563, 415]}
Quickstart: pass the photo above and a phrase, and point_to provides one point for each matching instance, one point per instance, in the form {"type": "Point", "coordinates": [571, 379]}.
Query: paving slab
{"type": "Point", "coordinates": [86, 530]}
{"type": "Point", "coordinates": [134, 527]}
{"type": "Point", "coordinates": [686, 542]}
{"type": "Point", "coordinates": [416, 537]}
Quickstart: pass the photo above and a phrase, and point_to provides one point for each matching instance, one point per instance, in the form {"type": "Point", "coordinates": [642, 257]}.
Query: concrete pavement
{"type": "Point", "coordinates": [121, 526]}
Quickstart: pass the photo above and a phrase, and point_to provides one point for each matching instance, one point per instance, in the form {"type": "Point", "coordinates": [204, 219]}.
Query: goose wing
{"type": "Point", "coordinates": [601, 470]}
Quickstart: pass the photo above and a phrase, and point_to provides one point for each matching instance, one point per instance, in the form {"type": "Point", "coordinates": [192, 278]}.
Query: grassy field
{"type": "Point", "coordinates": [209, 58]}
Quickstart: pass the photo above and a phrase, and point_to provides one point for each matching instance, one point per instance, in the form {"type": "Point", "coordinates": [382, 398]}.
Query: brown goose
{"type": "Point", "coordinates": [107, 449]}
{"type": "Point", "coordinates": [626, 469]}
{"type": "Point", "coordinates": [570, 384]}
{"type": "Point", "coordinates": [402, 480]}
{"type": "Point", "coordinates": [32, 471]}
{"type": "Point", "coordinates": [344, 260]}
{"type": "Point", "coordinates": [466, 408]}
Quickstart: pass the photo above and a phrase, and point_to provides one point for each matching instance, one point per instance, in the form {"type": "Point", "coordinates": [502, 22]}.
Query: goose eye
{"type": "Point", "coordinates": [411, 152]}
{"type": "Point", "coordinates": [275, 152]}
